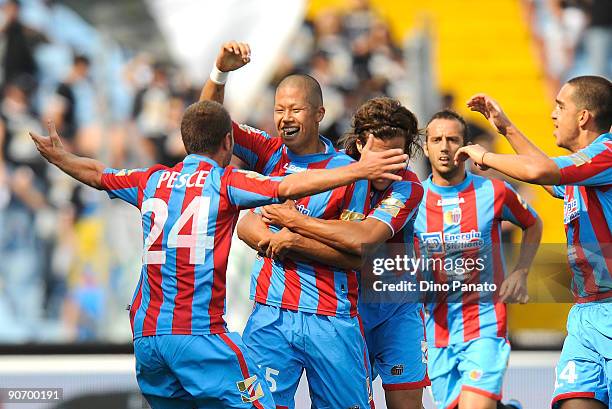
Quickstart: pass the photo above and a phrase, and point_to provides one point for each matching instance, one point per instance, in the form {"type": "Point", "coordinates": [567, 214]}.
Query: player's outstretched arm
{"type": "Point", "coordinates": [531, 169]}
{"type": "Point", "coordinates": [342, 235]}
{"type": "Point", "coordinates": [85, 170]}
{"type": "Point", "coordinates": [251, 229]}
{"type": "Point", "coordinates": [372, 166]}
{"type": "Point", "coordinates": [232, 56]}
{"type": "Point", "coordinates": [493, 112]}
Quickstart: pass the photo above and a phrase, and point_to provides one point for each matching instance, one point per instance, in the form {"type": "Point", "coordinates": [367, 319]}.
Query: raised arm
{"type": "Point", "coordinates": [232, 56]}
{"type": "Point", "coordinates": [493, 112]}
{"type": "Point", "coordinates": [85, 170]}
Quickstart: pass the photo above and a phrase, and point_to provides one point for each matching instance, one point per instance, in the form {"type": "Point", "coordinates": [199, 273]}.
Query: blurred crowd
{"type": "Point", "coordinates": [69, 257]}
{"type": "Point", "coordinates": [575, 37]}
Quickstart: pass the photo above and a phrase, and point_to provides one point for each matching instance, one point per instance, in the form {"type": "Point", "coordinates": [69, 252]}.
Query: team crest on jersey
{"type": "Point", "coordinates": [452, 217]}
{"type": "Point", "coordinates": [570, 211]}
{"type": "Point", "coordinates": [250, 389]}
{"type": "Point", "coordinates": [349, 215]}
{"type": "Point", "coordinates": [253, 175]}
{"type": "Point", "coordinates": [475, 374]}
{"type": "Point", "coordinates": [579, 158]}
{"type": "Point", "coordinates": [391, 205]}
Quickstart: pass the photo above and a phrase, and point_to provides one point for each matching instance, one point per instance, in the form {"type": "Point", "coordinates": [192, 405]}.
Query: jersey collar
{"type": "Point", "coordinates": [313, 157]}
{"type": "Point", "coordinates": [450, 189]}
{"type": "Point", "coordinates": [194, 157]}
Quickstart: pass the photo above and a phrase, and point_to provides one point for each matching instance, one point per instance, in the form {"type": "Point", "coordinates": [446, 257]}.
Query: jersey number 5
{"type": "Point", "coordinates": [197, 241]}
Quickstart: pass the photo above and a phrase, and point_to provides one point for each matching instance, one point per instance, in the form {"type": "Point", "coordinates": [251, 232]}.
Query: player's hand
{"type": "Point", "coordinates": [383, 164]}
{"type": "Point", "coordinates": [514, 287]}
{"type": "Point", "coordinates": [491, 110]}
{"type": "Point", "coordinates": [474, 152]}
{"type": "Point", "coordinates": [280, 214]}
{"type": "Point", "coordinates": [277, 245]}
{"type": "Point", "coordinates": [50, 147]}
{"type": "Point", "coordinates": [232, 56]}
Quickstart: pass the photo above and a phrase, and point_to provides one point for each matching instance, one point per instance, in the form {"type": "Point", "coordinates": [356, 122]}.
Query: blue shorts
{"type": "Point", "coordinates": [331, 349]}
{"type": "Point", "coordinates": [585, 366]}
{"type": "Point", "coordinates": [395, 335]}
{"type": "Point", "coordinates": [476, 366]}
{"type": "Point", "coordinates": [199, 371]}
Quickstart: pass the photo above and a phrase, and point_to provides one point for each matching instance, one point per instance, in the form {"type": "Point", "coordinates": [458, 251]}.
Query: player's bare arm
{"type": "Point", "coordinates": [372, 166]}
{"type": "Point", "coordinates": [530, 169]}
{"type": "Point", "coordinates": [286, 243]}
{"type": "Point", "coordinates": [232, 56]}
{"type": "Point", "coordinates": [85, 170]}
{"type": "Point", "coordinates": [514, 287]}
{"type": "Point", "coordinates": [255, 233]}
{"type": "Point", "coordinates": [343, 235]}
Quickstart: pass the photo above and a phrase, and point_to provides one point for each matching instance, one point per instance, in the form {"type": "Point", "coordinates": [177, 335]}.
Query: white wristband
{"type": "Point", "coordinates": [218, 77]}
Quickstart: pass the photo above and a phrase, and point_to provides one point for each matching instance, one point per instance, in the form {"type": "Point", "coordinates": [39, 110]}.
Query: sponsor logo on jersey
{"type": "Point", "coordinates": [291, 168]}
{"type": "Point", "coordinates": [438, 243]}
{"type": "Point", "coordinates": [250, 389]}
{"type": "Point", "coordinates": [397, 370]}
{"type": "Point", "coordinates": [570, 211]}
{"type": "Point", "coordinates": [303, 209]}
{"type": "Point", "coordinates": [579, 158]}
{"type": "Point", "coordinates": [452, 201]}
{"type": "Point", "coordinates": [391, 205]}
{"type": "Point", "coordinates": [452, 217]}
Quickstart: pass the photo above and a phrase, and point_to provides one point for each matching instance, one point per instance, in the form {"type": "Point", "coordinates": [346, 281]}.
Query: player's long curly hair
{"type": "Point", "coordinates": [385, 118]}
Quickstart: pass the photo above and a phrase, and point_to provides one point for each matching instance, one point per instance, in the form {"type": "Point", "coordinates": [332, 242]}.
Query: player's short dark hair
{"type": "Point", "coordinates": [203, 127]}
{"type": "Point", "coordinates": [312, 86]}
{"type": "Point", "coordinates": [385, 118]}
{"type": "Point", "coordinates": [594, 94]}
{"type": "Point", "coordinates": [81, 59]}
{"type": "Point", "coordinates": [452, 116]}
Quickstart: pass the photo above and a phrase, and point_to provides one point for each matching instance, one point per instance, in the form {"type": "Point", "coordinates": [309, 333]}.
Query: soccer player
{"type": "Point", "coordinates": [582, 118]}
{"type": "Point", "coordinates": [305, 313]}
{"type": "Point", "coordinates": [458, 227]}
{"type": "Point", "coordinates": [394, 329]}
{"type": "Point", "coordinates": [185, 357]}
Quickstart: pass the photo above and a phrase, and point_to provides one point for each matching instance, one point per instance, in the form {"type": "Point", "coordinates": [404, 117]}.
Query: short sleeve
{"type": "Point", "coordinates": [254, 147]}
{"type": "Point", "coordinates": [587, 167]}
{"type": "Point", "coordinates": [247, 189]}
{"type": "Point", "coordinates": [124, 183]}
{"type": "Point", "coordinates": [516, 210]}
{"type": "Point", "coordinates": [399, 204]}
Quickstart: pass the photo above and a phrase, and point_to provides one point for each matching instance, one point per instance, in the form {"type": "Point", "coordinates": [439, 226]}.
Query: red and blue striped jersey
{"type": "Point", "coordinates": [397, 207]}
{"type": "Point", "coordinates": [296, 285]}
{"type": "Point", "coordinates": [464, 222]}
{"type": "Point", "coordinates": [188, 216]}
{"type": "Point", "coordinates": [586, 189]}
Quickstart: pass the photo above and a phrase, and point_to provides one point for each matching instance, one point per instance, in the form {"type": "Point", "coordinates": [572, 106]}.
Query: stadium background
{"type": "Point", "coordinates": [70, 257]}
